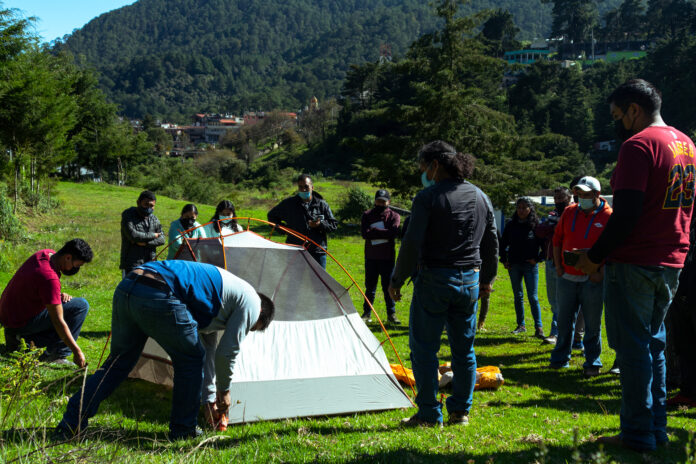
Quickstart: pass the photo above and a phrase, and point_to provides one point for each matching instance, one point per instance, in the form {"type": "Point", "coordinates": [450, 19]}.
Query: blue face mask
{"type": "Point", "coordinates": [305, 195]}
{"type": "Point", "coordinates": [586, 203]}
{"type": "Point", "coordinates": [424, 179]}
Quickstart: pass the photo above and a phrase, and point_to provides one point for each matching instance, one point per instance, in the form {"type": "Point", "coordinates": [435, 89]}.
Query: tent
{"type": "Point", "coordinates": [317, 357]}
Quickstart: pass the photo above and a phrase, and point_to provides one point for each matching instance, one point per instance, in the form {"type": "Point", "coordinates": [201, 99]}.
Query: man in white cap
{"type": "Point", "coordinates": [579, 227]}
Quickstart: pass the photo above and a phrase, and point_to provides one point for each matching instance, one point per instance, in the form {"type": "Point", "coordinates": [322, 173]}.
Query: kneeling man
{"type": "Point", "coordinates": [33, 307]}
{"type": "Point", "coordinates": [168, 301]}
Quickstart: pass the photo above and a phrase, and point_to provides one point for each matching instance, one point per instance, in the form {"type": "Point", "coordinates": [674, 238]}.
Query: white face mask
{"type": "Point", "coordinates": [586, 203]}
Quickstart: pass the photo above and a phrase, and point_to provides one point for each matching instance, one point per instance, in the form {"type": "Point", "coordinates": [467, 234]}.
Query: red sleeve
{"type": "Point", "coordinates": [49, 292]}
{"type": "Point", "coordinates": [633, 167]}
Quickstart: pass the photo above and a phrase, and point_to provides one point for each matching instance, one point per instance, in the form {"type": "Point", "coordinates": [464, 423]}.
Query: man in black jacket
{"type": "Point", "coordinates": [308, 214]}
{"type": "Point", "coordinates": [141, 233]}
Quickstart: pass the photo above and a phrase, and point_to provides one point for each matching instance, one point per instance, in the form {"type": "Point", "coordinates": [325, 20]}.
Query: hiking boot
{"type": "Point", "coordinates": [415, 421]}
{"type": "Point", "coordinates": [367, 318]}
{"type": "Point", "coordinates": [550, 340]}
{"type": "Point", "coordinates": [590, 371]}
{"type": "Point", "coordinates": [539, 333]}
{"type": "Point", "coordinates": [63, 432]}
{"type": "Point", "coordinates": [520, 329]}
{"type": "Point", "coordinates": [393, 319]}
{"type": "Point", "coordinates": [11, 340]}
{"type": "Point", "coordinates": [615, 369]}
{"type": "Point", "coordinates": [458, 418]}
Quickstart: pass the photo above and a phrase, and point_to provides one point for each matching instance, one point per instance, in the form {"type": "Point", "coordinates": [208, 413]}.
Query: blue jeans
{"type": "Point", "coordinates": [637, 299]}
{"type": "Point", "coordinates": [319, 258]}
{"type": "Point", "coordinates": [140, 312]}
{"type": "Point", "coordinates": [40, 329]}
{"type": "Point", "coordinates": [551, 278]}
{"type": "Point", "coordinates": [443, 298]}
{"type": "Point", "coordinates": [378, 269]}
{"type": "Point", "coordinates": [530, 274]}
{"type": "Point", "coordinates": [571, 296]}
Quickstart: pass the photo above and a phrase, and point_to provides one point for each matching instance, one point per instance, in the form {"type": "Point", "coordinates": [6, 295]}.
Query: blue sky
{"type": "Point", "coordinates": [55, 18]}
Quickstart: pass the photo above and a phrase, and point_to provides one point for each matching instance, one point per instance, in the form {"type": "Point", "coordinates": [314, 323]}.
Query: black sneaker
{"type": "Point", "coordinates": [367, 318]}
{"type": "Point", "coordinates": [590, 371]}
{"type": "Point", "coordinates": [415, 421]}
{"type": "Point", "coordinates": [195, 433]}
{"type": "Point", "coordinates": [11, 340]}
{"type": "Point", "coordinates": [615, 369]}
{"type": "Point", "coordinates": [63, 432]}
{"type": "Point", "coordinates": [393, 319]}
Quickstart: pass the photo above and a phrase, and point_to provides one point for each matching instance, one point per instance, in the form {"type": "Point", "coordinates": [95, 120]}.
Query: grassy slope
{"type": "Point", "coordinates": [534, 406]}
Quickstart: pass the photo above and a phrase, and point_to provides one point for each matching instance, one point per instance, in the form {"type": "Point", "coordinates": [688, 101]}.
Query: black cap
{"type": "Point", "coordinates": [382, 195]}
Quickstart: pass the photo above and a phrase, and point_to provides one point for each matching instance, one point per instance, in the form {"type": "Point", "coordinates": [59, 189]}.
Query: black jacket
{"type": "Point", "coordinates": [138, 229]}
{"type": "Point", "coordinates": [452, 225]}
{"type": "Point", "coordinates": [296, 214]}
{"type": "Point", "coordinates": [519, 243]}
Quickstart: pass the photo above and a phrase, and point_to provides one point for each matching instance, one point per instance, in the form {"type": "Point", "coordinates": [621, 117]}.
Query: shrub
{"type": "Point", "coordinates": [10, 227]}
{"type": "Point", "coordinates": [352, 209]}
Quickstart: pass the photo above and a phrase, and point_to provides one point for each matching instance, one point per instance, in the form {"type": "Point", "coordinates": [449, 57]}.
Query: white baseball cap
{"type": "Point", "coordinates": [587, 184]}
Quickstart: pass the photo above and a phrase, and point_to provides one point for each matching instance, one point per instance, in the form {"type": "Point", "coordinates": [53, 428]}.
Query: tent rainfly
{"type": "Point", "coordinates": [317, 357]}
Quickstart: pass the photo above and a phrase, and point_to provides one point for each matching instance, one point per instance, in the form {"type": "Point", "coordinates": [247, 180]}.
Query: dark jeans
{"type": "Point", "coordinates": [40, 329]}
{"type": "Point", "coordinates": [319, 257]}
{"type": "Point", "coordinates": [140, 312]}
{"type": "Point", "coordinates": [683, 319]}
{"type": "Point", "coordinates": [378, 269]}
{"type": "Point", "coordinates": [637, 299]}
{"type": "Point", "coordinates": [443, 298]}
{"type": "Point", "coordinates": [530, 274]}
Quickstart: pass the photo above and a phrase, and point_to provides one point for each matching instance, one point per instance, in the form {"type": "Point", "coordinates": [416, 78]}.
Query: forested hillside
{"type": "Point", "coordinates": [173, 57]}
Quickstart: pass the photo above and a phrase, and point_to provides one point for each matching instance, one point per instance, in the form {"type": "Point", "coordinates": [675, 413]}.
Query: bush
{"type": "Point", "coordinates": [10, 227]}
{"type": "Point", "coordinates": [356, 203]}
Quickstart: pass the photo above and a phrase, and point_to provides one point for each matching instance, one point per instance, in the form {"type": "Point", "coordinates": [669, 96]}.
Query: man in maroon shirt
{"type": "Point", "coordinates": [645, 243]}
{"type": "Point", "coordinates": [33, 307]}
{"type": "Point", "coordinates": [379, 227]}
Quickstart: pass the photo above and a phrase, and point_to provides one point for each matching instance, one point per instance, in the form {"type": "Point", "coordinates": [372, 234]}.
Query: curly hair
{"type": "Point", "coordinates": [532, 219]}
{"type": "Point", "coordinates": [78, 249]}
{"type": "Point", "coordinates": [459, 166]}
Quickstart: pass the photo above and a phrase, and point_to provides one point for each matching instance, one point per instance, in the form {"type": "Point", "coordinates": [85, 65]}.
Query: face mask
{"type": "Point", "coordinates": [561, 206]}
{"type": "Point", "coordinates": [424, 179]}
{"type": "Point", "coordinates": [187, 223]}
{"type": "Point", "coordinates": [586, 203]}
{"type": "Point", "coordinates": [621, 132]}
{"type": "Point", "coordinates": [379, 209]}
{"type": "Point", "coordinates": [305, 195]}
{"type": "Point", "coordinates": [71, 272]}
{"type": "Point", "coordinates": [145, 211]}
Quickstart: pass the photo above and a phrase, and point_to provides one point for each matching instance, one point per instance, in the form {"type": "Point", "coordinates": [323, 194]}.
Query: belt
{"type": "Point", "coordinates": [150, 280]}
{"type": "Point", "coordinates": [451, 266]}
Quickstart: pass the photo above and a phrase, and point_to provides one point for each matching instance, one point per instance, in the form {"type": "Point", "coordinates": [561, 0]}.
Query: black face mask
{"type": "Point", "coordinates": [71, 272]}
{"type": "Point", "coordinates": [187, 223]}
{"type": "Point", "coordinates": [561, 206]}
{"type": "Point", "coordinates": [145, 211]}
{"type": "Point", "coordinates": [621, 132]}
{"type": "Point", "coordinates": [379, 209]}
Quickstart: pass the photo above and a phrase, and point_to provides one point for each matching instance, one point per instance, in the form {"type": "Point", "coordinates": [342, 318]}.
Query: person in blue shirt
{"type": "Point", "coordinates": [169, 301]}
{"type": "Point", "coordinates": [189, 214]}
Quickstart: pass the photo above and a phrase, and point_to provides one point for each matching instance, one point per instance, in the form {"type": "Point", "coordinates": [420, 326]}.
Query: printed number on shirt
{"type": "Point", "coordinates": [680, 192]}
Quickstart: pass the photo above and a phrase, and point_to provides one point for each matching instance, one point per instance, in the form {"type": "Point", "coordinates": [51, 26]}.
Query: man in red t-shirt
{"type": "Point", "coordinates": [33, 307]}
{"type": "Point", "coordinates": [645, 243]}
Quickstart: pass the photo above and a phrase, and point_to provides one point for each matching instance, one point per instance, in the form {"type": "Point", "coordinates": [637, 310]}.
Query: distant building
{"type": "Point", "coordinates": [528, 56]}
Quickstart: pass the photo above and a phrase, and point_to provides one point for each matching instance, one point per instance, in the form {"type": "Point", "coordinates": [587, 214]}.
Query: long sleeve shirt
{"type": "Point", "coordinates": [296, 214]}
{"type": "Point", "coordinates": [452, 224]}
{"type": "Point", "coordinates": [137, 229]}
{"type": "Point", "coordinates": [379, 228]}
{"type": "Point", "coordinates": [176, 238]}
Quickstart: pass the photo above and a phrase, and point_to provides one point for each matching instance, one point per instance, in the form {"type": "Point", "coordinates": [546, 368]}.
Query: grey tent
{"type": "Point", "coordinates": [317, 358]}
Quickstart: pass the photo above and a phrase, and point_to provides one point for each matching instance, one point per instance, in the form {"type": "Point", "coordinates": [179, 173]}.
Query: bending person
{"type": "Point", "coordinates": [168, 301]}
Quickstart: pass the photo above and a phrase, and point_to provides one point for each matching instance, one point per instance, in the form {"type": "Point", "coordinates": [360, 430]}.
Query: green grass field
{"type": "Point", "coordinates": [539, 415]}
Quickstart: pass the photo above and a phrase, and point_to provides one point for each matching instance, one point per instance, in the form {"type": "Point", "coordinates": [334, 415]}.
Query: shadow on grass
{"type": "Point", "coordinates": [93, 335]}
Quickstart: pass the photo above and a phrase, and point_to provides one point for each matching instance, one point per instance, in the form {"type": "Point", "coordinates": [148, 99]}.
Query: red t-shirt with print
{"type": "Point", "coordinates": [659, 161]}
{"type": "Point", "coordinates": [34, 285]}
